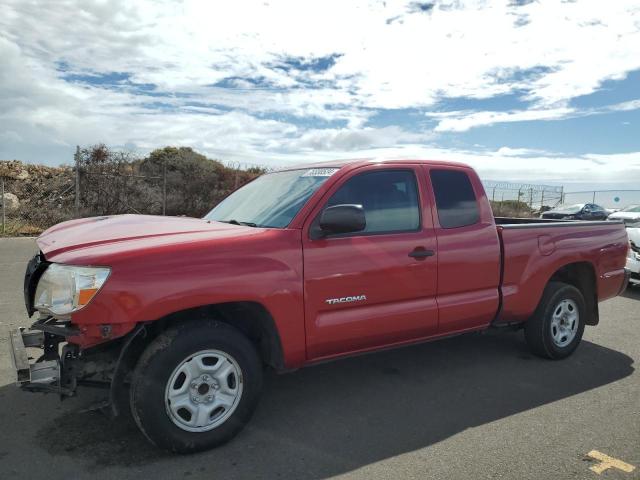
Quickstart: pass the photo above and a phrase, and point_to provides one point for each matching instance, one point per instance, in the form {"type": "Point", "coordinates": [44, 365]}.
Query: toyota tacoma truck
{"type": "Point", "coordinates": [177, 318]}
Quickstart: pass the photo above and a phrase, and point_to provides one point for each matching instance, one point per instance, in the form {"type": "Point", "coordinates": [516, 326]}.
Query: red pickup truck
{"type": "Point", "coordinates": [178, 317]}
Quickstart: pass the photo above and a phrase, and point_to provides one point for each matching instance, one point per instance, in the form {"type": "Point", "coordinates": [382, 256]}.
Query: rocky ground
{"type": "Point", "coordinates": [34, 194]}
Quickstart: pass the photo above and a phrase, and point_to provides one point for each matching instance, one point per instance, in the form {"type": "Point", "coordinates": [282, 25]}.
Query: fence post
{"type": "Point", "coordinates": [3, 212]}
{"type": "Point", "coordinates": [76, 158]}
{"type": "Point", "coordinates": [164, 187]}
{"type": "Point", "coordinates": [541, 200]}
{"type": "Point", "coordinates": [594, 197]}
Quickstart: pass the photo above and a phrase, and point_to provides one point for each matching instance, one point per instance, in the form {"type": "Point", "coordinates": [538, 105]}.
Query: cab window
{"type": "Point", "coordinates": [389, 199]}
{"type": "Point", "coordinates": [456, 201]}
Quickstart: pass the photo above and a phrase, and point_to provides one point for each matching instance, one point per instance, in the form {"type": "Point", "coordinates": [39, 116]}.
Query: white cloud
{"type": "Point", "coordinates": [461, 121]}
{"type": "Point", "coordinates": [474, 119]}
{"type": "Point", "coordinates": [353, 139]}
{"type": "Point", "coordinates": [386, 57]}
{"type": "Point", "coordinates": [501, 164]}
{"type": "Point", "coordinates": [523, 152]}
{"type": "Point", "coordinates": [625, 106]}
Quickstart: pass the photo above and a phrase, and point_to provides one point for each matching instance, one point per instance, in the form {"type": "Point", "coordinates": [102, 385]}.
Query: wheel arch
{"type": "Point", "coordinates": [581, 275]}
{"type": "Point", "coordinates": [250, 317]}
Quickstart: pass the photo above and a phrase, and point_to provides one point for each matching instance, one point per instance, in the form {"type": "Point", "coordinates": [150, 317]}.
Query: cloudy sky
{"type": "Point", "coordinates": [545, 90]}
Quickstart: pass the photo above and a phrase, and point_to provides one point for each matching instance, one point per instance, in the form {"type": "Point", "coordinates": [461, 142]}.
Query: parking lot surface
{"type": "Point", "coordinates": [474, 406]}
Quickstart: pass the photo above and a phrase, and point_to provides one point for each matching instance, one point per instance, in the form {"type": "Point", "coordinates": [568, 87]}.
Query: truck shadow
{"type": "Point", "coordinates": [334, 418]}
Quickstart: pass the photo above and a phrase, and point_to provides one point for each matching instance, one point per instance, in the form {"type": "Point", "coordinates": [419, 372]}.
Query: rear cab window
{"type": "Point", "coordinates": [456, 202]}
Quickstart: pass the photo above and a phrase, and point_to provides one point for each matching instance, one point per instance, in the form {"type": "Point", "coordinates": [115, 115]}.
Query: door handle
{"type": "Point", "coordinates": [421, 253]}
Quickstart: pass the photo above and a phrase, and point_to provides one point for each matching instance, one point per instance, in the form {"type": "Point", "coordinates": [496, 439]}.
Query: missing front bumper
{"type": "Point", "coordinates": [42, 375]}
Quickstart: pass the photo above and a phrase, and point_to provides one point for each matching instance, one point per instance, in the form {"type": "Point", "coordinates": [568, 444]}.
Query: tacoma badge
{"type": "Point", "coordinates": [354, 298]}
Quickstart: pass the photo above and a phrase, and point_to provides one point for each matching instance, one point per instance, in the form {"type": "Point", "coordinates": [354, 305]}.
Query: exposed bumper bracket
{"type": "Point", "coordinates": [54, 327]}
{"type": "Point", "coordinates": [43, 375]}
{"type": "Point", "coordinates": [20, 357]}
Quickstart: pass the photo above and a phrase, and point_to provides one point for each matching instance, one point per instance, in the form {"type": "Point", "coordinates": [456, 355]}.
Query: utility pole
{"type": "Point", "coordinates": [164, 187]}
{"type": "Point", "coordinates": [3, 211]}
{"type": "Point", "coordinates": [76, 158]}
{"type": "Point", "coordinates": [531, 199]}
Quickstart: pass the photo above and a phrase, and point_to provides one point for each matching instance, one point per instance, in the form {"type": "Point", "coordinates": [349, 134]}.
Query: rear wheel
{"type": "Point", "coordinates": [196, 386]}
{"type": "Point", "coordinates": [555, 329]}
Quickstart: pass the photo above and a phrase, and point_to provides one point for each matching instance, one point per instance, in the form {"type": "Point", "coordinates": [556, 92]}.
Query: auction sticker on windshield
{"type": "Point", "coordinates": [320, 172]}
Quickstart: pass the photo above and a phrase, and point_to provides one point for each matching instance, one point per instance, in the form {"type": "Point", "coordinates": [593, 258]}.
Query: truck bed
{"type": "Point", "coordinates": [534, 250]}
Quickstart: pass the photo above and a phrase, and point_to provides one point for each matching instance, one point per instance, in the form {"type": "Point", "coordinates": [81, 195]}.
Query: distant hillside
{"type": "Point", "coordinates": [178, 180]}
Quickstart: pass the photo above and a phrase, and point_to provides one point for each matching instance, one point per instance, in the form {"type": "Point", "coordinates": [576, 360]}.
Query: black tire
{"type": "Point", "coordinates": [538, 329]}
{"type": "Point", "coordinates": [157, 364]}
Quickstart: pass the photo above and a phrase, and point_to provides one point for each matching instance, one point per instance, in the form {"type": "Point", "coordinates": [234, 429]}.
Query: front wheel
{"type": "Point", "coordinates": [196, 386]}
{"type": "Point", "coordinates": [555, 329]}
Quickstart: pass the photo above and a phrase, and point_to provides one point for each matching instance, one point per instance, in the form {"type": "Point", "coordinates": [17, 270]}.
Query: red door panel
{"type": "Point", "coordinates": [389, 297]}
{"type": "Point", "coordinates": [468, 277]}
{"type": "Point", "coordinates": [468, 262]}
{"type": "Point", "coordinates": [395, 306]}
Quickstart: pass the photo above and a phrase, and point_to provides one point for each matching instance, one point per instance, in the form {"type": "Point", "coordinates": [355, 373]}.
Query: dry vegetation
{"type": "Point", "coordinates": [115, 182]}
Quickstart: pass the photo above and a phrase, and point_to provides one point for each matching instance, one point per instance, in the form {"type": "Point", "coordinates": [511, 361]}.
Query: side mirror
{"type": "Point", "coordinates": [342, 219]}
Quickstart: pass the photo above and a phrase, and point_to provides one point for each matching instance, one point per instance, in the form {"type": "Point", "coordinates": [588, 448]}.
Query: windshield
{"type": "Point", "coordinates": [632, 208]}
{"type": "Point", "coordinates": [570, 208]}
{"type": "Point", "coordinates": [271, 200]}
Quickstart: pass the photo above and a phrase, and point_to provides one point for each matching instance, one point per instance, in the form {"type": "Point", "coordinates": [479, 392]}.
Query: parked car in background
{"type": "Point", "coordinates": [629, 215]}
{"type": "Point", "coordinates": [579, 211]}
{"type": "Point", "coordinates": [633, 256]}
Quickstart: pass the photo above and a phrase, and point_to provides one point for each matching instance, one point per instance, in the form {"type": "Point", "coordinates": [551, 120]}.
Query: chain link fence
{"type": "Point", "coordinates": [113, 183]}
{"type": "Point", "coordinates": [30, 202]}
{"type": "Point", "coordinates": [170, 181]}
{"type": "Point", "coordinates": [521, 199]}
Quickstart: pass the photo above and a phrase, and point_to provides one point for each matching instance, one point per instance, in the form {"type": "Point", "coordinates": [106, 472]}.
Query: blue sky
{"type": "Point", "coordinates": [537, 91]}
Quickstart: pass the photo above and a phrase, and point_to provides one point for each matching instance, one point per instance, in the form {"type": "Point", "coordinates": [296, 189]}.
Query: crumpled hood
{"type": "Point", "coordinates": [94, 231]}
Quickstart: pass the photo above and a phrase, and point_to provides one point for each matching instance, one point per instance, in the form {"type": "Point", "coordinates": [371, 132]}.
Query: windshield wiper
{"type": "Point", "coordinates": [236, 222]}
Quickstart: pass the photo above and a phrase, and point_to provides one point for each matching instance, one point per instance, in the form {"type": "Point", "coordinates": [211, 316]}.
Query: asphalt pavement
{"type": "Point", "coordinates": [470, 407]}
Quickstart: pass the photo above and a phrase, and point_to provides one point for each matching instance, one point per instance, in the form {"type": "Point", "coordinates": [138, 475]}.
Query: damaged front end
{"type": "Point", "coordinates": [48, 357]}
{"type": "Point", "coordinates": [45, 362]}
{"type": "Point", "coordinates": [49, 372]}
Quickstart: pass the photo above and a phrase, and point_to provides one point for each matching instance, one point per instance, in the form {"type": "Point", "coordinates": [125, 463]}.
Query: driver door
{"type": "Point", "coordinates": [367, 289]}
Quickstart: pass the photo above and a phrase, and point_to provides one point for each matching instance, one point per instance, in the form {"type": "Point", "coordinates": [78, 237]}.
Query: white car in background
{"type": "Point", "coordinates": [629, 215]}
{"type": "Point", "coordinates": [633, 257]}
